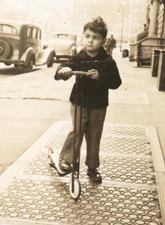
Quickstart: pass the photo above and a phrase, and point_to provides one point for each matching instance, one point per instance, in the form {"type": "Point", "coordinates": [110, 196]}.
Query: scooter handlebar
{"type": "Point", "coordinates": [79, 73]}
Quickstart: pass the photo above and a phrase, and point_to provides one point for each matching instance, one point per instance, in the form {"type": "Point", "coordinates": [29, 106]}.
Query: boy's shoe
{"type": "Point", "coordinates": [94, 175]}
{"type": "Point", "coordinates": [64, 165]}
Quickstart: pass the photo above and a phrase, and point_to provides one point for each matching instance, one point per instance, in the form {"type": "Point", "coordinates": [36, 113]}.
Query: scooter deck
{"type": "Point", "coordinates": [54, 162]}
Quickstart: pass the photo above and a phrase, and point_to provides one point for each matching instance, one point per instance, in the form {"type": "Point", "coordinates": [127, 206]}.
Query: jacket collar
{"type": "Point", "coordinates": [100, 56]}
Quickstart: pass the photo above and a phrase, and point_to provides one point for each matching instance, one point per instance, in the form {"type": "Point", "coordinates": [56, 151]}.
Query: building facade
{"type": "Point", "coordinates": [142, 50]}
{"type": "Point", "coordinates": [156, 18]}
{"type": "Point", "coordinates": [124, 18]}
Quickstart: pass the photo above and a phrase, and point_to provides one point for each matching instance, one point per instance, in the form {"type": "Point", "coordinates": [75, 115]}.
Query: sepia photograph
{"type": "Point", "coordinates": [82, 112]}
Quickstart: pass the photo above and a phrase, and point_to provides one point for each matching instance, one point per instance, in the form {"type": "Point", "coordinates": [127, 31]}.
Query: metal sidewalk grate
{"type": "Point", "coordinates": [31, 191]}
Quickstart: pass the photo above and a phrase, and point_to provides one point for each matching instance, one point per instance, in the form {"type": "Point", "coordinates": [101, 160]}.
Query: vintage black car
{"type": "Point", "coordinates": [21, 45]}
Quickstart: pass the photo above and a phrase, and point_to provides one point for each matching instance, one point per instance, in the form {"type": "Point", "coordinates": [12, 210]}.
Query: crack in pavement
{"type": "Point", "coordinates": [35, 98]}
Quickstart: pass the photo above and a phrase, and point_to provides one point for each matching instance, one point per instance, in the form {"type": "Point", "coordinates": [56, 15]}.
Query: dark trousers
{"type": "Point", "coordinates": [111, 50]}
{"type": "Point", "coordinates": [92, 127]}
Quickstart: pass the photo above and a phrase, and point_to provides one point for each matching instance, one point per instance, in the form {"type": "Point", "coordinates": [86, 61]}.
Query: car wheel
{"type": "Point", "coordinates": [5, 49]}
{"type": "Point", "coordinates": [29, 66]}
{"type": "Point", "coordinates": [50, 64]}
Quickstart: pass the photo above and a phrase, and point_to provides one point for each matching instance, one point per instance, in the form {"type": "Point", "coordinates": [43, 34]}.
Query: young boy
{"type": "Point", "coordinates": [91, 93]}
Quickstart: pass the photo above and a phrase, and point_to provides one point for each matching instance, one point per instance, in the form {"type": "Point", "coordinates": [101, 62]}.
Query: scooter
{"type": "Point", "coordinates": [75, 185]}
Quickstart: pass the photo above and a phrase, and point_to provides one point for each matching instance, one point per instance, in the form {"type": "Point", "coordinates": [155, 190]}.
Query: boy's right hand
{"type": "Point", "coordinates": [65, 72]}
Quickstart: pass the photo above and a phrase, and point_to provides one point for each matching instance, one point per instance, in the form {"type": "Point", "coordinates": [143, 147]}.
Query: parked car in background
{"type": "Point", "coordinates": [125, 49]}
{"type": "Point", "coordinates": [64, 45]}
{"type": "Point", "coordinates": [21, 45]}
{"type": "Point", "coordinates": [79, 44]}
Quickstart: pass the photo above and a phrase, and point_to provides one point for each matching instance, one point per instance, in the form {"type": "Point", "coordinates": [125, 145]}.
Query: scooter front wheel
{"type": "Point", "coordinates": [75, 188]}
{"type": "Point", "coordinates": [50, 152]}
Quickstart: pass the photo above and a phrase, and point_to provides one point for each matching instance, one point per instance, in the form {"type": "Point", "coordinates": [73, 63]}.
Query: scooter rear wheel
{"type": "Point", "coordinates": [75, 191]}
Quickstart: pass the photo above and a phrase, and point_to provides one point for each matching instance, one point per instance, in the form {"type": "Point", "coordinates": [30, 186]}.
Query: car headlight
{"type": "Point", "coordinates": [72, 50]}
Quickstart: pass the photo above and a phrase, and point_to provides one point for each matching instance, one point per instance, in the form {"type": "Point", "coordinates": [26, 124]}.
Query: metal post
{"type": "Point", "coordinates": [122, 26]}
{"type": "Point", "coordinates": [130, 20]}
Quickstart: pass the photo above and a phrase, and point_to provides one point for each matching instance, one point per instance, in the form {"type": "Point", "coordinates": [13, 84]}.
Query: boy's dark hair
{"type": "Point", "coordinates": [97, 25]}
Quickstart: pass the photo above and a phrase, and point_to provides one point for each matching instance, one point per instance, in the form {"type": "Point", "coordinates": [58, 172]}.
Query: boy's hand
{"type": "Point", "coordinates": [65, 72]}
{"type": "Point", "coordinates": [93, 74]}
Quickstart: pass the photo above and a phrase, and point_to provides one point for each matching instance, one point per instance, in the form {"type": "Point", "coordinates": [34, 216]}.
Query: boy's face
{"type": "Point", "coordinates": [92, 42]}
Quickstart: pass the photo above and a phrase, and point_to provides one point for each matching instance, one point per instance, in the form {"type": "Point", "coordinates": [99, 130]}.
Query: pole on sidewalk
{"type": "Point", "coordinates": [155, 62]}
{"type": "Point", "coordinates": [161, 72]}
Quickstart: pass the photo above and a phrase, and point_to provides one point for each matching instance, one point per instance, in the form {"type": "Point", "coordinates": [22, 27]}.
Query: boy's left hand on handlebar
{"type": "Point", "coordinates": [93, 74]}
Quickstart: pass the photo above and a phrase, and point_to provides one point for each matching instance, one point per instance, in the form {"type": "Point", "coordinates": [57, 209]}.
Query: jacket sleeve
{"type": "Point", "coordinates": [71, 64]}
{"type": "Point", "coordinates": [109, 75]}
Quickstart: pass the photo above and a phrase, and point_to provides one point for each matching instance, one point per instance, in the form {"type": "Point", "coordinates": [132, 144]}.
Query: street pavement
{"type": "Point", "coordinates": [132, 162]}
{"type": "Point", "coordinates": [26, 110]}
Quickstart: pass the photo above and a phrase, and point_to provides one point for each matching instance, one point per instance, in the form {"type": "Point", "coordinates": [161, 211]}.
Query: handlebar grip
{"type": "Point", "coordinates": [79, 73]}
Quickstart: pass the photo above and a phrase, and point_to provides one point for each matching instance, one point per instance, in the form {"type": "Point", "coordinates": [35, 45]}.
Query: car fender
{"type": "Point", "coordinates": [45, 56]}
{"type": "Point", "coordinates": [73, 49]}
{"type": "Point", "coordinates": [27, 55]}
{"type": "Point", "coordinates": [50, 55]}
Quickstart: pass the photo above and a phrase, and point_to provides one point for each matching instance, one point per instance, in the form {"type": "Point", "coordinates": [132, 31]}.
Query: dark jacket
{"type": "Point", "coordinates": [110, 43]}
{"type": "Point", "coordinates": [88, 92]}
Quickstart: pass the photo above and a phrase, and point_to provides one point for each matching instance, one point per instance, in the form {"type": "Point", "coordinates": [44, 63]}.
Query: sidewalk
{"type": "Point", "coordinates": [132, 166]}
